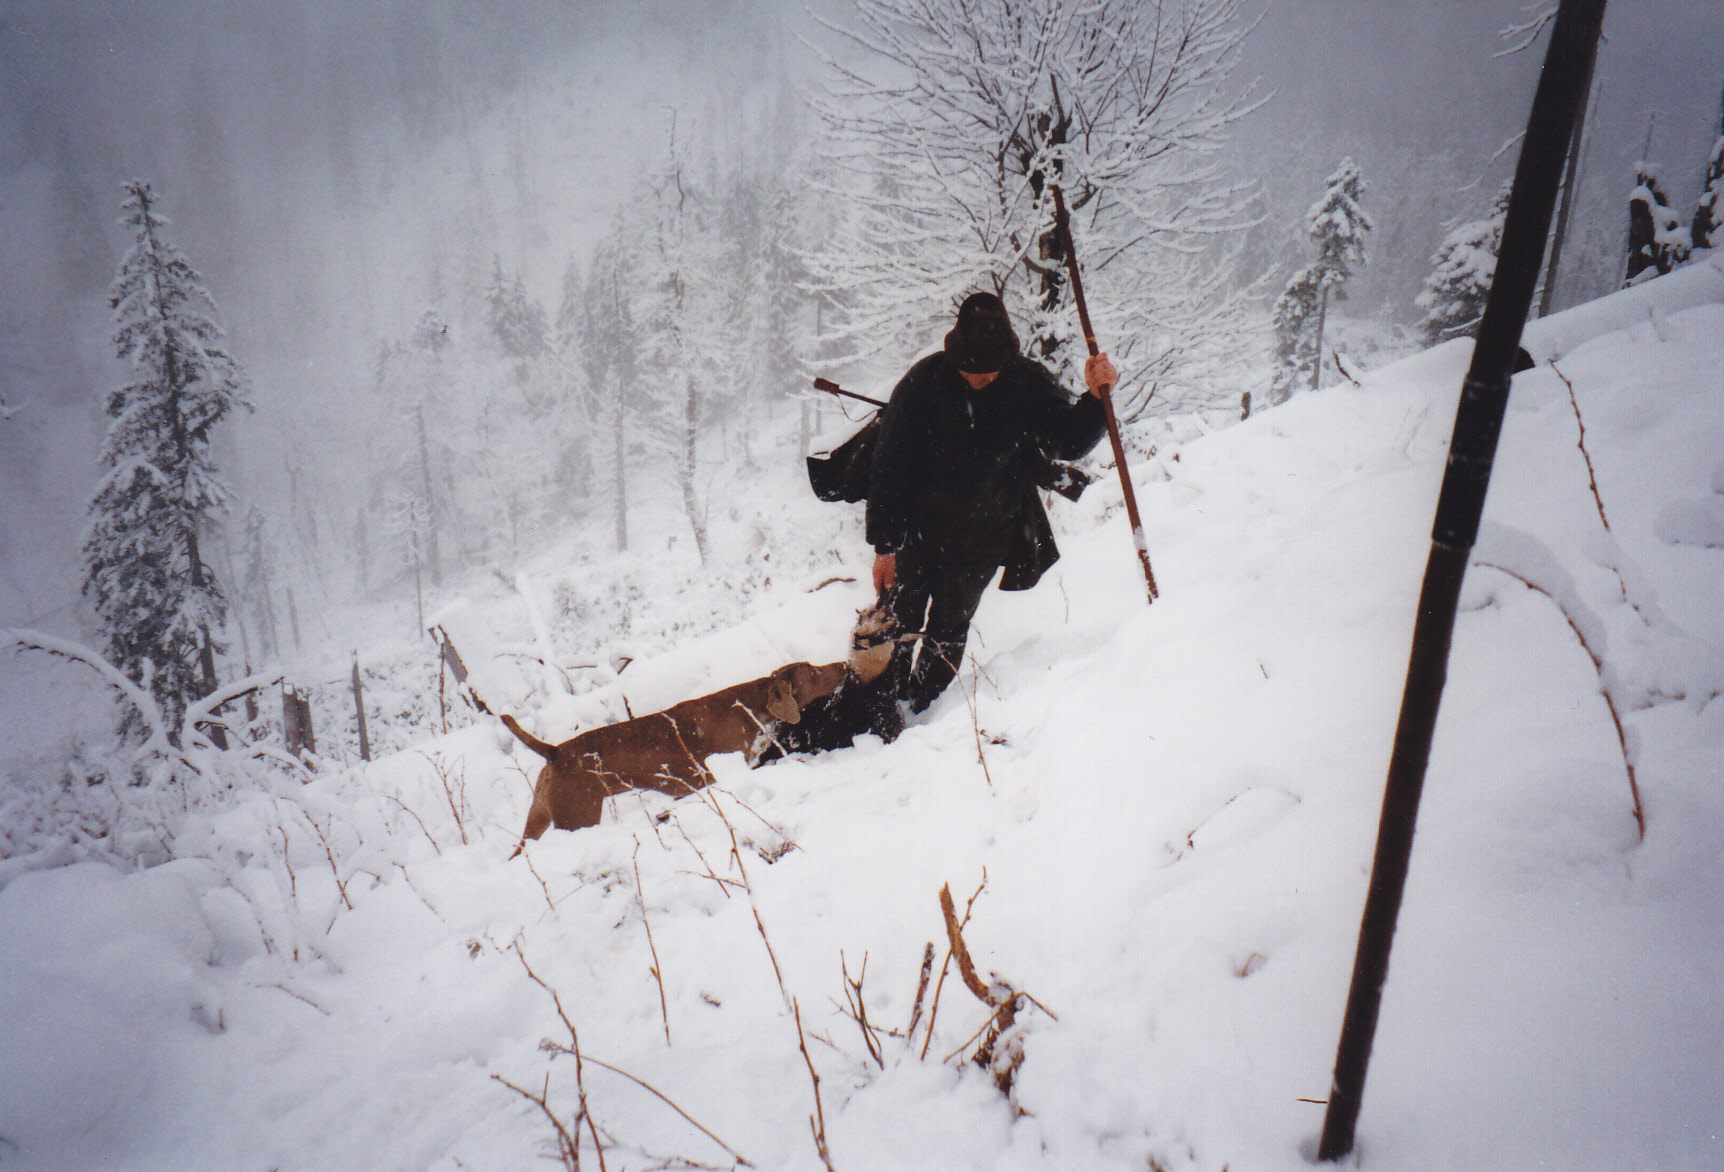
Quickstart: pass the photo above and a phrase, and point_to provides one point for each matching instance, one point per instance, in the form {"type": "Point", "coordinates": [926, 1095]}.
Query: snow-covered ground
{"type": "Point", "coordinates": [1168, 812]}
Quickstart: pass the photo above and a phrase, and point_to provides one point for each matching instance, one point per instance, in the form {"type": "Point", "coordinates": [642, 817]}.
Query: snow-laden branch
{"type": "Point", "coordinates": [1529, 30]}
{"type": "Point", "coordinates": [1524, 557]}
{"type": "Point", "coordinates": [198, 752]}
{"type": "Point", "coordinates": [155, 726]}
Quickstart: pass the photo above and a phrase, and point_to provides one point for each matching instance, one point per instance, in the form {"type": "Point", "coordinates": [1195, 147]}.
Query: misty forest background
{"type": "Point", "coordinates": [420, 220]}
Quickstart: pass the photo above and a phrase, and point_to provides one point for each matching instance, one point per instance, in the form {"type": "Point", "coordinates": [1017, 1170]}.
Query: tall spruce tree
{"type": "Point", "coordinates": [1337, 224]}
{"type": "Point", "coordinates": [160, 606]}
{"type": "Point", "coordinates": [1462, 268]}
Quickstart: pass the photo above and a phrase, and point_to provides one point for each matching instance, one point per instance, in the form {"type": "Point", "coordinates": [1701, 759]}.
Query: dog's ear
{"type": "Point", "coordinates": [781, 701]}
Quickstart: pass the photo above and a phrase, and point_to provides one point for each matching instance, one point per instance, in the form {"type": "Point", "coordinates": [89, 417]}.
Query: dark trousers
{"type": "Point", "coordinates": [932, 602]}
{"type": "Point", "coordinates": [935, 600]}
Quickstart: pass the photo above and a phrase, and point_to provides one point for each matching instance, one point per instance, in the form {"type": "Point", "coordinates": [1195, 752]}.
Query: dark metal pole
{"type": "Point", "coordinates": [1478, 422]}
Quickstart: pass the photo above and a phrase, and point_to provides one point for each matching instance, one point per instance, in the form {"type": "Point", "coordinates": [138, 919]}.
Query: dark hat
{"type": "Point", "coordinates": [982, 341]}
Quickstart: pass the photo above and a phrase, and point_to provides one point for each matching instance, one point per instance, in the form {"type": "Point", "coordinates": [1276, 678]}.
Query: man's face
{"type": "Point", "coordinates": [978, 381]}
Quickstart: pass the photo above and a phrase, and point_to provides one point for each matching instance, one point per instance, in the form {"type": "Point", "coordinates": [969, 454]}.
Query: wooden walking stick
{"type": "Point", "coordinates": [1062, 223]}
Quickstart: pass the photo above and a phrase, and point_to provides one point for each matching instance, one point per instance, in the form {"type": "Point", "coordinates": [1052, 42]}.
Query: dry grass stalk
{"type": "Point", "coordinates": [287, 856]}
{"type": "Point", "coordinates": [921, 990]}
{"type": "Point", "coordinates": [667, 1101]}
{"type": "Point", "coordinates": [571, 1149]}
{"type": "Point", "coordinates": [299, 997]}
{"type": "Point", "coordinates": [773, 957]}
{"type": "Point", "coordinates": [934, 1011]}
{"type": "Point", "coordinates": [568, 1146]}
{"type": "Point", "coordinates": [409, 811]}
{"type": "Point", "coordinates": [817, 1121]}
{"type": "Point", "coordinates": [976, 723]}
{"type": "Point", "coordinates": [657, 973]}
{"type": "Point", "coordinates": [330, 855]}
{"type": "Point", "coordinates": [710, 796]}
{"type": "Point", "coordinates": [858, 1008]}
{"type": "Point", "coordinates": [411, 886]}
{"type": "Point", "coordinates": [758, 816]}
{"type": "Point", "coordinates": [573, 1050]}
{"type": "Point", "coordinates": [441, 768]}
{"type": "Point", "coordinates": [543, 886]}
{"type": "Point", "coordinates": [724, 884]}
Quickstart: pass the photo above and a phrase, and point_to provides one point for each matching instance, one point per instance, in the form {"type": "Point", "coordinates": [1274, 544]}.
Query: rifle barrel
{"type": "Point", "coordinates": [832, 388]}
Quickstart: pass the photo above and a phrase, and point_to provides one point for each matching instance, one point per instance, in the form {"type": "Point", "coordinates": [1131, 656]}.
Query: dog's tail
{"type": "Point", "coordinates": [548, 752]}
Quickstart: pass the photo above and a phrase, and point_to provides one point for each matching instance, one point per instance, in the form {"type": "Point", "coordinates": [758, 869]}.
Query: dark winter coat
{"type": "Point", "coordinates": [955, 470]}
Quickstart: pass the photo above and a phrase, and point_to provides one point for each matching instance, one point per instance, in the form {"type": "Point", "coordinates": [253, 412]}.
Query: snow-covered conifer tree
{"type": "Point", "coordinates": [1656, 239]}
{"type": "Point", "coordinates": [160, 606]}
{"type": "Point", "coordinates": [954, 128]}
{"type": "Point", "coordinates": [1709, 209]}
{"type": "Point", "coordinates": [1462, 267]}
{"type": "Point", "coordinates": [514, 319]}
{"type": "Point", "coordinates": [1337, 224]}
{"type": "Point", "coordinates": [1295, 323]}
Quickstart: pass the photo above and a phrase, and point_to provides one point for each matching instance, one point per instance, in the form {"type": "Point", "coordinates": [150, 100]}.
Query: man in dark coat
{"type": "Point", "coordinates": [962, 445]}
{"type": "Point", "coordinates": [952, 495]}
{"type": "Point", "coordinates": [969, 435]}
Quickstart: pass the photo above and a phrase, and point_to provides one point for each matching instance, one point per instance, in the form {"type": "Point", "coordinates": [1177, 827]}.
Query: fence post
{"type": "Point", "coordinates": [359, 711]}
{"type": "Point", "coordinates": [296, 721]}
{"type": "Point", "coordinates": [303, 699]}
{"type": "Point", "coordinates": [290, 730]}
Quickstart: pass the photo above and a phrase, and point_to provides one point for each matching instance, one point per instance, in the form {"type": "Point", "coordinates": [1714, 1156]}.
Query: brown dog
{"type": "Point", "coordinates": [667, 750]}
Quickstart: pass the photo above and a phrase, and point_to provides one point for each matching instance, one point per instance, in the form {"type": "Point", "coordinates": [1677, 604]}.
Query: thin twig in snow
{"type": "Point", "coordinates": [657, 972]}
{"type": "Point", "coordinates": [409, 811]}
{"type": "Point", "coordinates": [817, 1121]}
{"type": "Point", "coordinates": [646, 1086]}
{"type": "Point", "coordinates": [573, 1049]}
{"type": "Point", "coordinates": [568, 1146]}
{"type": "Point", "coordinates": [723, 884]}
{"type": "Point", "coordinates": [1591, 478]}
{"type": "Point", "coordinates": [921, 991]}
{"type": "Point", "coordinates": [858, 1008]}
{"type": "Point", "coordinates": [527, 855]}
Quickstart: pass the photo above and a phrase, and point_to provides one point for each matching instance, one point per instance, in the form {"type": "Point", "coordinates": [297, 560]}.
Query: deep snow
{"type": "Point", "coordinates": [1173, 811]}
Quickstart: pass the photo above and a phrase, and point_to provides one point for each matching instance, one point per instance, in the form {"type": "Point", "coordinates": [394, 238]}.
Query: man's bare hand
{"type": "Point", "coordinates": [1099, 373]}
{"type": "Point", "coordinates": [885, 572]}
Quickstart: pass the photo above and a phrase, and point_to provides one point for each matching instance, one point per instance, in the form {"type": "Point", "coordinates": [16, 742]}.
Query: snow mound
{"type": "Point", "coordinates": [1164, 815]}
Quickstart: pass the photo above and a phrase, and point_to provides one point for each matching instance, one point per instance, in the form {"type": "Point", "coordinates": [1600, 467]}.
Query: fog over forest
{"type": "Point", "coordinates": [336, 170]}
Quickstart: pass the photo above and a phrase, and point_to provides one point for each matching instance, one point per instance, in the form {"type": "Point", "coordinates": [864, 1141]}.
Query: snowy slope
{"type": "Point", "coordinates": [1173, 807]}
